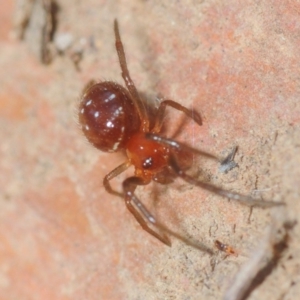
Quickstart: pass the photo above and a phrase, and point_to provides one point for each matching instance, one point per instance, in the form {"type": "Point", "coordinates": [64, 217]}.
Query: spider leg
{"type": "Point", "coordinates": [161, 110]}
{"type": "Point", "coordinates": [139, 104]}
{"type": "Point", "coordinates": [139, 211]}
{"type": "Point", "coordinates": [178, 146]}
{"type": "Point", "coordinates": [145, 218]}
{"type": "Point", "coordinates": [114, 173]}
{"type": "Point", "coordinates": [246, 200]}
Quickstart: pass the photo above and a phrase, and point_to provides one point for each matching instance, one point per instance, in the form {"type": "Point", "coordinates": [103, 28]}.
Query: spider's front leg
{"type": "Point", "coordinates": [145, 218]}
{"type": "Point", "coordinates": [139, 211]}
{"type": "Point", "coordinates": [243, 199]}
{"type": "Point", "coordinates": [176, 146]}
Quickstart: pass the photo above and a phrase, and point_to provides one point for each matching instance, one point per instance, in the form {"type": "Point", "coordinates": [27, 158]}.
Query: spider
{"type": "Point", "coordinates": [114, 118]}
{"type": "Point", "coordinates": [229, 250]}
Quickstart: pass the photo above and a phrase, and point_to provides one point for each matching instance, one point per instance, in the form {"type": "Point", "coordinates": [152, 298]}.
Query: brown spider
{"type": "Point", "coordinates": [114, 118]}
{"type": "Point", "coordinates": [229, 250]}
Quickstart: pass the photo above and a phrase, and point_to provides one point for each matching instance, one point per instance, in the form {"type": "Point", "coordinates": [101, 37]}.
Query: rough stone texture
{"type": "Point", "coordinates": [62, 237]}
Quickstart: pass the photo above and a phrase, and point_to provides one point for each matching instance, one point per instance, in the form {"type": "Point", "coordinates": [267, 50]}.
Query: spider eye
{"type": "Point", "coordinates": [147, 163]}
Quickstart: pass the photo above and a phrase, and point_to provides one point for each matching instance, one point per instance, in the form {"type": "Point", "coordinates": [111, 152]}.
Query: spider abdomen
{"type": "Point", "coordinates": [108, 116]}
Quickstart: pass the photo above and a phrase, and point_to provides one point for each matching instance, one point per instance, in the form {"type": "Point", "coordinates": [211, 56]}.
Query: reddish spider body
{"type": "Point", "coordinates": [111, 123]}
{"type": "Point", "coordinates": [108, 116]}
{"type": "Point", "coordinates": [148, 157]}
{"type": "Point", "coordinates": [229, 250]}
{"type": "Point", "coordinates": [114, 118]}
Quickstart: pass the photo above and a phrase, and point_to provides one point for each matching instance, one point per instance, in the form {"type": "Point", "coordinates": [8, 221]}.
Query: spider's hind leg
{"type": "Point", "coordinates": [161, 111]}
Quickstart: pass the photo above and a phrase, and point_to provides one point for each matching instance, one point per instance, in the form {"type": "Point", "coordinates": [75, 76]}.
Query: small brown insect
{"type": "Point", "coordinates": [114, 118]}
{"type": "Point", "coordinates": [225, 248]}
